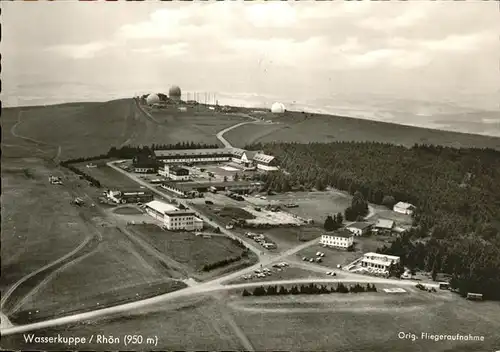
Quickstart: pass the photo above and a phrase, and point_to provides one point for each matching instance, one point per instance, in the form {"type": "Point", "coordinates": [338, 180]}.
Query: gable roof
{"type": "Point", "coordinates": [161, 207]}
{"type": "Point", "coordinates": [342, 233]}
{"type": "Point", "coordinates": [359, 225]}
{"type": "Point", "coordinates": [263, 158]}
{"type": "Point", "coordinates": [404, 205]}
{"type": "Point", "coordinates": [191, 152]}
{"type": "Point", "coordinates": [384, 224]}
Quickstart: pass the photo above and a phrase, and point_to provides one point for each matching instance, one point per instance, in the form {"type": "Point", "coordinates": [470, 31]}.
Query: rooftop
{"type": "Point", "coordinates": [187, 152]}
{"type": "Point", "coordinates": [179, 212]}
{"type": "Point", "coordinates": [341, 233]}
{"type": "Point", "coordinates": [135, 190]}
{"type": "Point", "coordinates": [264, 158]}
{"type": "Point", "coordinates": [160, 206]}
{"type": "Point", "coordinates": [360, 225]}
{"type": "Point", "coordinates": [385, 224]}
{"type": "Point", "coordinates": [404, 205]}
{"type": "Point", "coordinates": [380, 257]}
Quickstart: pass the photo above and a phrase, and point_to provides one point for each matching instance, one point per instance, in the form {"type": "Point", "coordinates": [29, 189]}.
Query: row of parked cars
{"type": "Point", "coordinates": [262, 240]}
{"type": "Point", "coordinates": [318, 259]}
{"type": "Point", "coordinates": [260, 273]}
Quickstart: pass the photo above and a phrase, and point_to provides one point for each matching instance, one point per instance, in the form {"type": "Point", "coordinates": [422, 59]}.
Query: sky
{"type": "Point", "coordinates": [441, 51]}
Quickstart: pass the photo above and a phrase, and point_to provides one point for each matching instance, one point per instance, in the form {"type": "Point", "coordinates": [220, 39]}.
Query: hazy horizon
{"type": "Point", "coordinates": [429, 64]}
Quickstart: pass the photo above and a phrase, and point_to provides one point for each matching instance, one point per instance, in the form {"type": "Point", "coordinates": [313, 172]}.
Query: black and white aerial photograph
{"type": "Point", "coordinates": [250, 176]}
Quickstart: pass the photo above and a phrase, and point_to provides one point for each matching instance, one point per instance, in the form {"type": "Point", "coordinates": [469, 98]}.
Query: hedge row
{"type": "Point", "coordinates": [311, 289]}
{"type": "Point", "coordinates": [223, 262]}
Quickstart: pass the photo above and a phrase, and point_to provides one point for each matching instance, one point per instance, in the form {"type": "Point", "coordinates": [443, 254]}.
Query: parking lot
{"type": "Point", "coordinates": [279, 271]}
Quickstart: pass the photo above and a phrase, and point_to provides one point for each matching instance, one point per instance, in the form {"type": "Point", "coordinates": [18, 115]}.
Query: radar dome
{"type": "Point", "coordinates": [278, 108]}
{"type": "Point", "coordinates": [174, 92]}
{"type": "Point", "coordinates": [152, 99]}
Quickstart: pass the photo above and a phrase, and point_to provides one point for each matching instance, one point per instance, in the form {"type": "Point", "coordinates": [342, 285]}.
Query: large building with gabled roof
{"type": "Point", "coordinates": [213, 155]}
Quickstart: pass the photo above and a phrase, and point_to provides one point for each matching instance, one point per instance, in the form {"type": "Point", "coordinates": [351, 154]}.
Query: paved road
{"type": "Point", "coordinates": [220, 135]}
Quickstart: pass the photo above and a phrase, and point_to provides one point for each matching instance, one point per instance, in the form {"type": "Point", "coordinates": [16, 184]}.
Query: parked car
{"type": "Point", "coordinates": [304, 258]}
{"type": "Point", "coordinates": [311, 260]}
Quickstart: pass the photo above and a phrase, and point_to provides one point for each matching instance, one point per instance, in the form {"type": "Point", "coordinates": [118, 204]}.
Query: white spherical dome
{"type": "Point", "coordinates": [278, 108]}
{"type": "Point", "coordinates": [153, 99]}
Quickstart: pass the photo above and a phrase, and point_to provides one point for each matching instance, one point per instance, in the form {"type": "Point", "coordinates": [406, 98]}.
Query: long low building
{"type": "Point", "coordinates": [214, 155]}
{"type": "Point", "coordinates": [184, 189]}
{"type": "Point", "coordinates": [174, 218]}
{"type": "Point", "coordinates": [130, 196]}
{"type": "Point", "coordinates": [378, 261]}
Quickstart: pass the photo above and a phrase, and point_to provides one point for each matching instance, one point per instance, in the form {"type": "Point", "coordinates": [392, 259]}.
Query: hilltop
{"type": "Point", "coordinates": [84, 129]}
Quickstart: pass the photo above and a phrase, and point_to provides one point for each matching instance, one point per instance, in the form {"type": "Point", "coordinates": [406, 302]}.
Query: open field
{"type": "Point", "coordinates": [195, 323]}
{"type": "Point", "coordinates": [92, 128]}
{"type": "Point", "coordinates": [313, 205]}
{"type": "Point", "coordinates": [127, 210]}
{"type": "Point", "coordinates": [81, 129]}
{"type": "Point", "coordinates": [365, 322]}
{"type": "Point", "coordinates": [38, 223]}
{"type": "Point", "coordinates": [235, 213]}
{"type": "Point", "coordinates": [193, 125]}
{"type": "Point", "coordinates": [115, 273]}
{"type": "Point", "coordinates": [304, 128]}
{"type": "Point", "coordinates": [192, 252]}
{"type": "Point", "coordinates": [108, 177]}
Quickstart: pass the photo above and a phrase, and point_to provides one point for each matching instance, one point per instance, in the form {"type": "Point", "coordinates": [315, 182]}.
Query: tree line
{"type": "Point", "coordinates": [225, 261]}
{"type": "Point", "coordinates": [92, 180]}
{"type": "Point", "coordinates": [311, 289]}
{"type": "Point", "coordinates": [456, 192]}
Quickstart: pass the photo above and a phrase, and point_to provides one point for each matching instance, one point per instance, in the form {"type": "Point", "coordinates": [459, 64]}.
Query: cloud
{"type": "Point", "coordinates": [271, 14]}
{"type": "Point", "coordinates": [468, 42]}
{"type": "Point", "coordinates": [165, 50]}
{"type": "Point", "coordinates": [411, 15]}
{"type": "Point", "coordinates": [80, 51]}
{"type": "Point", "coordinates": [161, 24]}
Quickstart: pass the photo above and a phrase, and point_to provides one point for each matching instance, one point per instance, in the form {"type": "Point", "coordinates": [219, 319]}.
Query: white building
{"type": "Point", "coordinates": [359, 228]}
{"type": "Point", "coordinates": [404, 208]}
{"type": "Point", "coordinates": [380, 262]}
{"type": "Point", "coordinates": [174, 218]}
{"type": "Point", "coordinates": [265, 162]}
{"type": "Point", "coordinates": [174, 173]}
{"type": "Point", "coordinates": [339, 239]}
